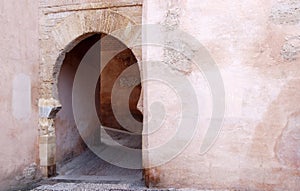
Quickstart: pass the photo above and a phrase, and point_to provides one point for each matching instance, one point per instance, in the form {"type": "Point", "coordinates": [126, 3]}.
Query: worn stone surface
{"type": "Point", "coordinates": [47, 112]}
{"type": "Point", "coordinates": [30, 172]}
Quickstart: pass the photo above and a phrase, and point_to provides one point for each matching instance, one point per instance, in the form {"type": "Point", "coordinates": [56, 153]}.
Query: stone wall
{"type": "Point", "coordinates": [255, 45]}
{"type": "Point", "coordinates": [64, 24]}
{"type": "Point", "coordinates": [19, 91]}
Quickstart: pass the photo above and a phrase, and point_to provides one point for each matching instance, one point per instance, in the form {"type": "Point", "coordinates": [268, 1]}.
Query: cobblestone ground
{"type": "Point", "coordinates": [102, 187]}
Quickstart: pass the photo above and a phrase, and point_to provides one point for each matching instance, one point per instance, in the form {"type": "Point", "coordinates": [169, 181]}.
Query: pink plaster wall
{"type": "Point", "coordinates": [19, 88]}
{"type": "Point", "coordinates": [252, 44]}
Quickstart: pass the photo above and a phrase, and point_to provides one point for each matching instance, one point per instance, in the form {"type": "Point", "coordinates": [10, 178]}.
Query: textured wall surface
{"type": "Point", "coordinates": [255, 45]}
{"type": "Point", "coordinates": [19, 90]}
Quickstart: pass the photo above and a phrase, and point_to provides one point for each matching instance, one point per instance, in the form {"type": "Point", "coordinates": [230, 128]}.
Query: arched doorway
{"type": "Point", "coordinates": [74, 159]}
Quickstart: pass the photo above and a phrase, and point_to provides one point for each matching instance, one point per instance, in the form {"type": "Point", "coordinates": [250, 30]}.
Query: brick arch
{"type": "Point", "coordinates": [79, 26]}
{"type": "Point", "coordinates": [55, 42]}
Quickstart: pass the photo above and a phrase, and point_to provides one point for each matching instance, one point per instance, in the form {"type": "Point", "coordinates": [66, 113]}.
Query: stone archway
{"type": "Point", "coordinates": [61, 38]}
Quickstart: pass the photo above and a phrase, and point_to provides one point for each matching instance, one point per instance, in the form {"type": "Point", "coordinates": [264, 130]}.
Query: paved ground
{"type": "Point", "coordinates": [102, 187]}
{"type": "Point", "coordinates": [90, 165]}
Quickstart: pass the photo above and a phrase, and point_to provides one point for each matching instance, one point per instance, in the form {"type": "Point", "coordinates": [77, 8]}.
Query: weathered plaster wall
{"type": "Point", "coordinates": [255, 45]}
{"type": "Point", "coordinates": [19, 90]}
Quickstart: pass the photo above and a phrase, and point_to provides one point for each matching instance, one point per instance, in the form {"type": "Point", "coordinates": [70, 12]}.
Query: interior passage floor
{"type": "Point", "coordinates": [90, 167]}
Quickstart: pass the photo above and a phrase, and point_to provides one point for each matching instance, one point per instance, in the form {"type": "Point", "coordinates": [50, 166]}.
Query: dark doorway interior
{"type": "Point", "coordinates": [75, 160]}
